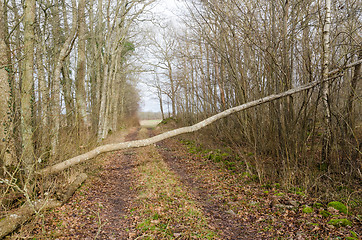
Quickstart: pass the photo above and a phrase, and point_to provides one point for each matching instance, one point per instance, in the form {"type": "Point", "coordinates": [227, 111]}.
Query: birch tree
{"type": "Point", "coordinates": [325, 85]}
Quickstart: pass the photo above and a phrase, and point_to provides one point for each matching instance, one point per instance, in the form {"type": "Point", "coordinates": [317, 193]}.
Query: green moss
{"type": "Point", "coordinates": [277, 185]}
{"type": "Point", "coordinates": [317, 205]}
{"type": "Point", "coordinates": [325, 213]}
{"type": "Point", "coordinates": [353, 234]}
{"type": "Point", "coordinates": [312, 224]}
{"type": "Point", "coordinates": [296, 190]}
{"type": "Point", "coordinates": [353, 237]}
{"type": "Point", "coordinates": [338, 206]}
{"type": "Point", "coordinates": [340, 222]}
{"type": "Point", "coordinates": [307, 209]}
{"type": "Point", "coordinates": [279, 194]}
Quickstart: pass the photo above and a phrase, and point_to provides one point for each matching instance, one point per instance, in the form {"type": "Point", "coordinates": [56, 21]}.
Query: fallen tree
{"type": "Point", "coordinates": [145, 142]}
{"type": "Point", "coordinates": [26, 211]}
{"type": "Point", "coordinates": [23, 214]}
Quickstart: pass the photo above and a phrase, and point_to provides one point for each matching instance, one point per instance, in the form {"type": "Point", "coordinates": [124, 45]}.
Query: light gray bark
{"type": "Point", "coordinates": [325, 85]}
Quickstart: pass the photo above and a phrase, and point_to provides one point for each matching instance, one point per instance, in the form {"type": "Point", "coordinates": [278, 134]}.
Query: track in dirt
{"type": "Point", "coordinates": [117, 192]}
{"type": "Point", "coordinates": [229, 224]}
{"type": "Point", "coordinates": [102, 207]}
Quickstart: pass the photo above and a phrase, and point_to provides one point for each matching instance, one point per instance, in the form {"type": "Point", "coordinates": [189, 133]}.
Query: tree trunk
{"type": "Point", "coordinates": [26, 88]}
{"type": "Point", "coordinates": [22, 215]}
{"type": "Point", "coordinates": [81, 69]}
{"type": "Point", "coordinates": [64, 52]}
{"type": "Point", "coordinates": [102, 108]}
{"type": "Point", "coordinates": [5, 102]}
{"type": "Point", "coordinates": [67, 93]}
{"type": "Point", "coordinates": [327, 138]}
{"type": "Point", "coordinates": [349, 110]}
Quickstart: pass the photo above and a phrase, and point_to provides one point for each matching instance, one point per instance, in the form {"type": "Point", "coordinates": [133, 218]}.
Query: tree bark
{"type": "Point", "coordinates": [327, 138]}
{"type": "Point", "coordinates": [5, 109]}
{"type": "Point", "coordinates": [74, 186]}
{"type": "Point", "coordinates": [26, 88]}
{"type": "Point", "coordinates": [22, 215]}
{"type": "Point", "coordinates": [64, 52]}
{"type": "Point", "coordinates": [81, 68]}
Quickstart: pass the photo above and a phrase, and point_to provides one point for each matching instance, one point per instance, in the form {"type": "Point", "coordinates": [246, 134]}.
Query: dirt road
{"type": "Point", "coordinates": [165, 192]}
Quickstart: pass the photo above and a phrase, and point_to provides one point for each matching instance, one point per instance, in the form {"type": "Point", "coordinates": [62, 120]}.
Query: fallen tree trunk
{"type": "Point", "coordinates": [23, 214]}
{"type": "Point", "coordinates": [145, 142]}
{"type": "Point", "coordinates": [73, 187]}
{"type": "Point", "coordinates": [10, 223]}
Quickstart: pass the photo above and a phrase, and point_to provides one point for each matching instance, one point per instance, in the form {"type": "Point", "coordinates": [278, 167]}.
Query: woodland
{"type": "Point", "coordinates": [275, 84]}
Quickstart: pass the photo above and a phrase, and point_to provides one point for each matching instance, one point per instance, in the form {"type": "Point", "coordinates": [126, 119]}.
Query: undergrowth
{"type": "Point", "coordinates": [245, 164]}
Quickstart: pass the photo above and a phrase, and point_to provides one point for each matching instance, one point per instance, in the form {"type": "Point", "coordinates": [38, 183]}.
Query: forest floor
{"type": "Point", "coordinates": [164, 191]}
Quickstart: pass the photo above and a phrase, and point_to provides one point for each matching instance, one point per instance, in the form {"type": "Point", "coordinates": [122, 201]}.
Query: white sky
{"type": "Point", "coordinates": [165, 10]}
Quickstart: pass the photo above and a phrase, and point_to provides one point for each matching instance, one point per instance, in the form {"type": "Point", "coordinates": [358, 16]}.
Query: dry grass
{"type": "Point", "coordinates": [167, 211]}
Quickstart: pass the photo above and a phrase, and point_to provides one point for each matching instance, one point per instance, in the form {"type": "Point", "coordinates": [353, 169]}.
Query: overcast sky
{"type": "Point", "coordinates": [165, 10]}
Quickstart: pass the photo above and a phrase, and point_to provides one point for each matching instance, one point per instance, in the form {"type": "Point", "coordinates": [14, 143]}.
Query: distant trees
{"type": "Point", "coordinates": [163, 49]}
